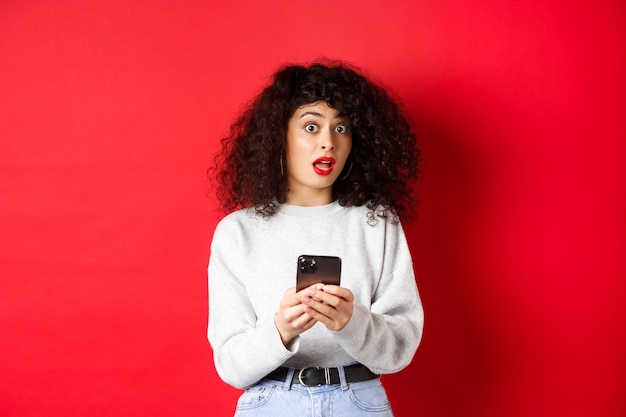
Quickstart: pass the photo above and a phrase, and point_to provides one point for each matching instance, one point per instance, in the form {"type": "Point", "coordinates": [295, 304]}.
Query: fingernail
{"type": "Point", "coordinates": [306, 300]}
{"type": "Point", "coordinates": [311, 292]}
{"type": "Point", "coordinates": [320, 286]}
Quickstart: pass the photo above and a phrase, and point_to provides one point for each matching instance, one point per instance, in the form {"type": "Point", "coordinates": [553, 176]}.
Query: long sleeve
{"type": "Point", "coordinates": [246, 347]}
{"type": "Point", "coordinates": [385, 334]}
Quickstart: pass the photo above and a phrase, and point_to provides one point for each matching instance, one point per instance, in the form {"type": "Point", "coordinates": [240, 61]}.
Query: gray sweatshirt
{"type": "Point", "coordinates": [254, 260]}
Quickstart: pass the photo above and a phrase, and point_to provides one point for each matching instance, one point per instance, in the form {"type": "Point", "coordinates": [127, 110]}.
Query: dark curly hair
{"type": "Point", "coordinates": [384, 157]}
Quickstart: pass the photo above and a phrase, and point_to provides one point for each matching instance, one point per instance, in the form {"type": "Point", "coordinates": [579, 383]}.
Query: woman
{"type": "Point", "coordinates": [320, 163]}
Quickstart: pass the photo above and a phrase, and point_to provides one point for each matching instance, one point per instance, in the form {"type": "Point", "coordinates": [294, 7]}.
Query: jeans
{"type": "Point", "coordinates": [289, 398]}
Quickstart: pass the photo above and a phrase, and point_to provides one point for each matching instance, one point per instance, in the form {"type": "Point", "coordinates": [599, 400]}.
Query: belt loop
{"type": "Point", "coordinates": [342, 378]}
{"type": "Point", "coordinates": [289, 379]}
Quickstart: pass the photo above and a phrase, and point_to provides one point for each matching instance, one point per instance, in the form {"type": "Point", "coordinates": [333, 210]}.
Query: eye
{"type": "Point", "coordinates": [310, 127]}
{"type": "Point", "coordinates": [341, 129]}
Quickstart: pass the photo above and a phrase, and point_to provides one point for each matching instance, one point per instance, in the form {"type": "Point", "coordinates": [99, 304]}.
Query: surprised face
{"type": "Point", "coordinates": [319, 141]}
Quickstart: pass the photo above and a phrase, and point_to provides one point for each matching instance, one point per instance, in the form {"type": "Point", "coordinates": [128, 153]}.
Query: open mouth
{"type": "Point", "coordinates": [323, 166]}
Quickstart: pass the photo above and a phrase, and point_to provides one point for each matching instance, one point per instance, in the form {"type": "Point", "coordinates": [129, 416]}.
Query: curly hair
{"type": "Point", "coordinates": [384, 158]}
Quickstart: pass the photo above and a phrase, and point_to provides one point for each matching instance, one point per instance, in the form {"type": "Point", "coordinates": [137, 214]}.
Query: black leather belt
{"type": "Point", "coordinates": [312, 377]}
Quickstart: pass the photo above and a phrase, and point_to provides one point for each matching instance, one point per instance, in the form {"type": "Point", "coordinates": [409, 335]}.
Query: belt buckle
{"type": "Point", "coordinates": [326, 376]}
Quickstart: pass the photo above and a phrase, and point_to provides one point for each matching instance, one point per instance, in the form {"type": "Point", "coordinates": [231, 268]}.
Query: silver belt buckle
{"type": "Point", "coordinates": [326, 376]}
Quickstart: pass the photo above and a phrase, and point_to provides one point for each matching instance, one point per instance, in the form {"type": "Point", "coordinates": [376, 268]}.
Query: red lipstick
{"type": "Point", "coordinates": [324, 165]}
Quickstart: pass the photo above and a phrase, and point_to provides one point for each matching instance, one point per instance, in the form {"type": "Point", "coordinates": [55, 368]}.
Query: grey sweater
{"type": "Point", "coordinates": [254, 260]}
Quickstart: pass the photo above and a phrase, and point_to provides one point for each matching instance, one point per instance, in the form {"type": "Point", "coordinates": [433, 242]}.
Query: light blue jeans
{"type": "Point", "coordinates": [289, 398]}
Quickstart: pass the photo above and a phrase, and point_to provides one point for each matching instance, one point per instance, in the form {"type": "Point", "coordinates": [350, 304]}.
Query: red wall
{"type": "Point", "coordinates": [109, 112]}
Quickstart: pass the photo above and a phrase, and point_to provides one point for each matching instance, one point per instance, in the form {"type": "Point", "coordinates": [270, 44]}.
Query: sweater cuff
{"type": "Point", "coordinates": [354, 327]}
{"type": "Point", "coordinates": [275, 348]}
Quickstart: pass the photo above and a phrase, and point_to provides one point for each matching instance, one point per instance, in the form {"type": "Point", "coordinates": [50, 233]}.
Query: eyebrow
{"type": "Point", "coordinates": [317, 114]}
{"type": "Point", "coordinates": [312, 113]}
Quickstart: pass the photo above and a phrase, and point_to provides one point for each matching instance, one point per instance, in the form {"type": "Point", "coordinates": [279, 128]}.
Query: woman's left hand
{"type": "Point", "coordinates": [330, 304]}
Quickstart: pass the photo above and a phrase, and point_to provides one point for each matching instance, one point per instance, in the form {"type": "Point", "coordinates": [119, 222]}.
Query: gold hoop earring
{"type": "Point", "coordinates": [347, 173]}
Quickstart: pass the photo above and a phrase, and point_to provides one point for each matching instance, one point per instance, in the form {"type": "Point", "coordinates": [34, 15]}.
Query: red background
{"type": "Point", "coordinates": [109, 114]}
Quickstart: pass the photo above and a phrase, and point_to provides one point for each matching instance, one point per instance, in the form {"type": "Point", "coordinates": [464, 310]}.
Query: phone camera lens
{"type": "Point", "coordinates": [308, 265]}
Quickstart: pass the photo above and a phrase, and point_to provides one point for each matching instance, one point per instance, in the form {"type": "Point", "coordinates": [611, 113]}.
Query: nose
{"type": "Point", "coordinates": [327, 141]}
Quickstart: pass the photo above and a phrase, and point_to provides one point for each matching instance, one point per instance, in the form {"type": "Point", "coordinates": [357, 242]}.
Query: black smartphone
{"type": "Point", "coordinates": [314, 269]}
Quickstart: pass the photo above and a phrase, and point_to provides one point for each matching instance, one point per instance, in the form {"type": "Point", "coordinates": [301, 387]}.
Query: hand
{"type": "Point", "coordinates": [291, 319]}
{"type": "Point", "coordinates": [330, 304]}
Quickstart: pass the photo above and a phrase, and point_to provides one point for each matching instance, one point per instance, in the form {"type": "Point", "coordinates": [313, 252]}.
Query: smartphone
{"type": "Point", "coordinates": [313, 269]}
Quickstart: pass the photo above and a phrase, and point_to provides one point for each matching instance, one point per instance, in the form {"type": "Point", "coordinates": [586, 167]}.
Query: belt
{"type": "Point", "coordinates": [311, 377]}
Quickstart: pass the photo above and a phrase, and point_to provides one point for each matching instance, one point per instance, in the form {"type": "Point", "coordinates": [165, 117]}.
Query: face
{"type": "Point", "coordinates": [318, 144]}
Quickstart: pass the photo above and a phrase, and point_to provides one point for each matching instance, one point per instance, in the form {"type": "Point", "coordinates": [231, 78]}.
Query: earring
{"type": "Point", "coordinates": [282, 169]}
{"type": "Point", "coordinates": [347, 173]}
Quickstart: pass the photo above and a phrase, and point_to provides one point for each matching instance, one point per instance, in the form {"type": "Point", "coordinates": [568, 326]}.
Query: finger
{"type": "Point", "coordinates": [322, 296]}
{"type": "Point", "coordinates": [311, 290]}
{"type": "Point", "coordinates": [310, 323]}
{"type": "Point", "coordinates": [332, 311]}
{"type": "Point", "coordinates": [299, 318]}
{"type": "Point", "coordinates": [331, 323]}
{"type": "Point", "coordinates": [290, 298]}
{"type": "Point", "coordinates": [341, 292]}
{"type": "Point", "coordinates": [318, 316]}
{"type": "Point", "coordinates": [293, 313]}
{"type": "Point", "coordinates": [320, 307]}
{"type": "Point", "coordinates": [302, 323]}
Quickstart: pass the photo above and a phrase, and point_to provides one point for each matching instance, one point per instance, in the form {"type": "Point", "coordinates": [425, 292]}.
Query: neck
{"type": "Point", "coordinates": [310, 199]}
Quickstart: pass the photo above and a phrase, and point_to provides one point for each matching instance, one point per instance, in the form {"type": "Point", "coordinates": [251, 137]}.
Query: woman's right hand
{"type": "Point", "coordinates": [291, 320]}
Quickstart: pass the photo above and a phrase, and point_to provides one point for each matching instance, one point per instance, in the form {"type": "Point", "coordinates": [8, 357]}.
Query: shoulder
{"type": "Point", "coordinates": [375, 217]}
{"type": "Point", "coordinates": [236, 216]}
{"type": "Point", "coordinates": [236, 221]}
